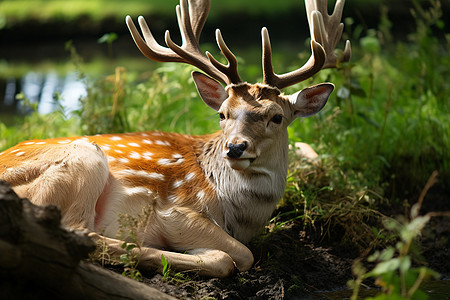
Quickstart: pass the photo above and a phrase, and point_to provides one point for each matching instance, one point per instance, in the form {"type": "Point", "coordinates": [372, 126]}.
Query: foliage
{"type": "Point", "coordinates": [321, 194]}
{"type": "Point", "coordinates": [166, 267]}
{"type": "Point", "coordinates": [163, 100]}
{"type": "Point", "coordinates": [173, 277]}
{"type": "Point", "coordinates": [128, 232]}
{"type": "Point", "coordinates": [130, 262]}
{"type": "Point", "coordinates": [394, 272]}
{"type": "Point", "coordinates": [387, 119]}
{"type": "Point", "coordinates": [129, 228]}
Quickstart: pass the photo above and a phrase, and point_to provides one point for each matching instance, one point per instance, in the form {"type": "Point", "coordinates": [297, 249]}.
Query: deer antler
{"type": "Point", "coordinates": [191, 19]}
{"type": "Point", "coordinates": [329, 32]}
{"type": "Point", "coordinates": [326, 31]}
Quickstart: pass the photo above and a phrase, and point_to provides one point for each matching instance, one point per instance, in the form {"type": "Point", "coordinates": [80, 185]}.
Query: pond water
{"type": "Point", "coordinates": [40, 88]}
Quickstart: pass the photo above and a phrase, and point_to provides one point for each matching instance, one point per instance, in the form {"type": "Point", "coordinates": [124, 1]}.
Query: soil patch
{"type": "Point", "coordinates": [290, 264]}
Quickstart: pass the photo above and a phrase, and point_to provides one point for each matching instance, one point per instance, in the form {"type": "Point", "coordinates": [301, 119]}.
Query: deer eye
{"type": "Point", "coordinates": [221, 116]}
{"type": "Point", "coordinates": [277, 119]}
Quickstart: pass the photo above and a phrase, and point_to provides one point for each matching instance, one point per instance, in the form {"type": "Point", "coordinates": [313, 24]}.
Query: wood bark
{"type": "Point", "coordinates": [40, 259]}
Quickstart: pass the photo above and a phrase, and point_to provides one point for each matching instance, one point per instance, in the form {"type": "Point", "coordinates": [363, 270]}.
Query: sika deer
{"type": "Point", "coordinates": [205, 195]}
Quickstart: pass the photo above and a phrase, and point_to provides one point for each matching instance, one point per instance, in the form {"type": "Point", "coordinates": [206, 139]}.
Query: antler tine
{"type": "Point", "coordinates": [191, 19]}
{"type": "Point", "coordinates": [150, 47]}
{"type": "Point", "coordinates": [312, 66]}
{"type": "Point", "coordinates": [231, 69]}
{"type": "Point", "coordinates": [190, 48]}
{"type": "Point", "coordinates": [326, 32]}
{"type": "Point", "coordinates": [329, 31]}
{"type": "Point", "coordinates": [198, 12]}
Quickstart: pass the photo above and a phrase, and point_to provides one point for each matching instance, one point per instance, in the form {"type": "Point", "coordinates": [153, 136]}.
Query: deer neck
{"type": "Point", "coordinates": [246, 198]}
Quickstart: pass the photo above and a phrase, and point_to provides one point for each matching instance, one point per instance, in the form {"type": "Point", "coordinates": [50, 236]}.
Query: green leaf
{"type": "Point", "coordinates": [164, 264]}
{"type": "Point", "coordinates": [405, 264]}
{"type": "Point", "coordinates": [385, 267]}
{"type": "Point", "coordinates": [370, 44]}
{"type": "Point", "coordinates": [108, 38]}
{"type": "Point", "coordinates": [124, 258]}
{"type": "Point", "coordinates": [387, 254]}
{"type": "Point", "coordinates": [130, 247]}
{"type": "Point", "coordinates": [374, 256]}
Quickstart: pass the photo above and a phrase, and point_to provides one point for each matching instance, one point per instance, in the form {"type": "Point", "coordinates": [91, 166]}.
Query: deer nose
{"type": "Point", "coordinates": [236, 150]}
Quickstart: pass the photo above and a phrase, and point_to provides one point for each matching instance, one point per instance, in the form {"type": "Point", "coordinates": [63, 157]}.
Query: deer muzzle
{"type": "Point", "coordinates": [236, 150]}
{"type": "Point", "coordinates": [237, 155]}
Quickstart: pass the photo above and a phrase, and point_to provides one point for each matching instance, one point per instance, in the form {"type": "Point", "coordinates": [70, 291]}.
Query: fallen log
{"type": "Point", "coordinates": [40, 259]}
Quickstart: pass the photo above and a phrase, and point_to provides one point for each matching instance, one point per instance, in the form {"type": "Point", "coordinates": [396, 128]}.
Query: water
{"type": "Point", "coordinates": [40, 89]}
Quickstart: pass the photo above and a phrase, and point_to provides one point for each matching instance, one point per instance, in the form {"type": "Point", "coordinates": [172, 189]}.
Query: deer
{"type": "Point", "coordinates": [206, 196]}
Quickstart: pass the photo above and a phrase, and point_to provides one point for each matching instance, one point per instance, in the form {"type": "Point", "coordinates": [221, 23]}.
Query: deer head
{"type": "Point", "coordinates": [253, 117]}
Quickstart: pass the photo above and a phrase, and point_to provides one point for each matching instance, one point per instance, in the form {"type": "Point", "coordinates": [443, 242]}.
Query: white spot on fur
{"type": "Point", "coordinates": [20, 153]}
{"type": "Point", "coordinates": [141, 173]}
{"type": "Point", "coordinates": [162, 143]}
{"type": "Point", "coordinates": [115, 138]}
{"type": "Point", "coordinates": [164, 161]}
{"type": "Point", "coordinates": [41, 143]}
{"type": "Point", "coordinates": [201, 195]}
{"type": "Point", "coordinates": [144, 134]}
{"type": "Point", "coordinates": [148, 142]}
{"type": "Point", "coordinates": [29, 143]}
{"type": "Point", "coordinates": [189, 176]}
{"type": "Point", "coordinates": [121, 146]}
{"type": "Point", "coordinates": [177, 156]}
{"type": "Point", "coordinates": [14, 151]}
{"type": "Point", "coordinates": [135, 155]}
{"type": "Point", "coordinates": [155, 176]}
{"type": "Point", "coordinates": [147, 155]}
{"type": "Point", "coordinates": [111, 158]}
{"type": "Point", "coordinates": [177, 184]}
{"type": "Point", "coordinates": [64, 142]}
{"type": "Point", "coordinates": [106, 148]}
{"type": "Point", "coordinates": [124, 160]}
{"type": "Point", "coordinates": [134, 145]}
{"type": "Point", "coordinates": [118, 151]}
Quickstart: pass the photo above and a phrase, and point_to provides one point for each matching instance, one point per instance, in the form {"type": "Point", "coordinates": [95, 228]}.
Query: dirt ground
{"type": "Point", "coordinates": [288, 265]}
{"type": "Point", "coordinates": [294, 263]}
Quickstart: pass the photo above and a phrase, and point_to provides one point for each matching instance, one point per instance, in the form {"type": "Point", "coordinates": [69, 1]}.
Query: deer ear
{"type": "Point", "coordinates": [311, 100]}
{"type": "Point", "coordinates": [211, 91]}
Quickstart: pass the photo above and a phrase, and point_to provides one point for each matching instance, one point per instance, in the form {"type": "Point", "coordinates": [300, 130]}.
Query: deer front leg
{"type": "Point", "coordinates": [206, 262]}
{"type": "Point", "coordinates": [188, 230]}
